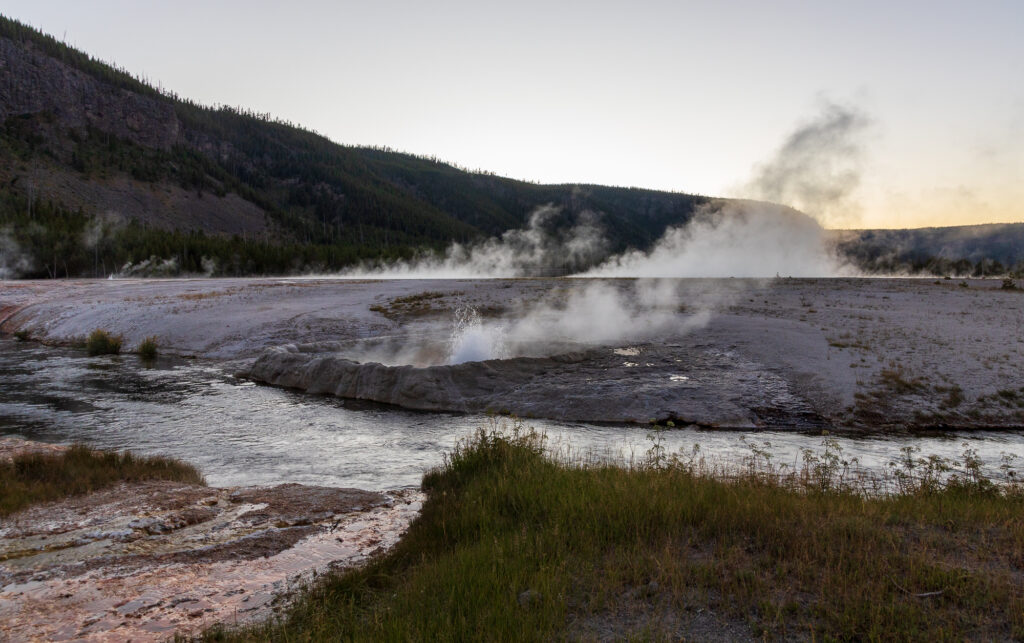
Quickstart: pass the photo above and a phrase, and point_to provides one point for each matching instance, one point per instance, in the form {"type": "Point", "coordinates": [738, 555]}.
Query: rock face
{"type": "Point", "coordinates": [692, 384]}
{"type": "Point", "coordinates": [32, 82]}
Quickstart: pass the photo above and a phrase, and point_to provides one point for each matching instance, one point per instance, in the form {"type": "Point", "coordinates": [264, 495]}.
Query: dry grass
{"type": "Point", "coordinates": [148, 348]}
{"type": "Point", "coordinates": [514, 546]}
{"type": "Point", "coordinates": [33, 478]}
{"type": "Point", "coordinates": [419, 305]}
{"type": "Point", "coordinates": [100, 342]}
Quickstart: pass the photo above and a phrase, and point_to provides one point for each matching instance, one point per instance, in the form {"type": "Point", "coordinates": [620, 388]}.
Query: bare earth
{"type": "Point", "coordinates": [802, 353]}
{"type": "Point", "coordinates": [142, 562]}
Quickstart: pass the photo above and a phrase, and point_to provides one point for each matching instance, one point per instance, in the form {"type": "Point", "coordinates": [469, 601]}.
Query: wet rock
{"type": "Point", "coordinates": [593, 385]}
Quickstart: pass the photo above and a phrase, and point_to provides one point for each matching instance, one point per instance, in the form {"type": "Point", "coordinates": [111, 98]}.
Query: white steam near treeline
{"type": "Point", "coordinates": [816, 171]}
{"type": "Point", "coordinates": [818, 168]}
{"type": "Point", "coordinates": [541, 248]}
{"type": "Point", "coordinates": [13, 260]}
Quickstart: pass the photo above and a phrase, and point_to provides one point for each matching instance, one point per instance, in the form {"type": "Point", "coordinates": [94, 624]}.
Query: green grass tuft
{"type": "Point", "coordinates": [100, 342]}
{"type": "Point", "coordinates": [34, 478]}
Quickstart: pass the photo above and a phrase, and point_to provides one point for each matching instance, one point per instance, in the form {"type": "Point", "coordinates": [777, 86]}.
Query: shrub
{"type": "Point", "coordinates": [1009, 284]}
{"type": "Point", "coordinates": [147, 349]}
{"type": "Point", "coordinates": [100, 342]}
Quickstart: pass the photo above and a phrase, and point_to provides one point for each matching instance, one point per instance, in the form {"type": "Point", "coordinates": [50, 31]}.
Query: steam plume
{"type": "Point", "coordinates": [13, 260]}
{"type": "Point", "coordinates": [733, 239]}
{"type": "Point", "coordinates": [818, 166]}
{"type": "Point", "coordinates": [539, 249]}
{"type": "Point", "coordinates": [591, 313]}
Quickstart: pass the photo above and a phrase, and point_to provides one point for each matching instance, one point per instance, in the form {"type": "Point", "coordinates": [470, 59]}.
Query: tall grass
{"type": "Point", "coordinates": [35, 478]}
{"type": "Point", "coordinates": [514, 546]}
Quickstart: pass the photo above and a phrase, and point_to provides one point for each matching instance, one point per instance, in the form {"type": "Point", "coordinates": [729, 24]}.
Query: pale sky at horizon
{"type": "Point", "coordinates": [684, 96]}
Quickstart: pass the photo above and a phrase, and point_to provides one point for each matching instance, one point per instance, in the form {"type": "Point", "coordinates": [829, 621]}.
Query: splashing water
{"type": "Point", "coordinates": [472, 341]}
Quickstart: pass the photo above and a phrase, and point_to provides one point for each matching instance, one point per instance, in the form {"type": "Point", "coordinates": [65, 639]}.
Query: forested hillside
{"type": "Point", "coordinates": [101, 172]}
{"type": "Point", "coordinates": [89, 152]}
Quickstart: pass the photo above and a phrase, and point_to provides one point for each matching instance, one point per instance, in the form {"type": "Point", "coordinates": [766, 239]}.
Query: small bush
{"type": "Point", "coordinates": [147, 349]}
{"type": "Point", "coordinates": [23, 334]}
{"type": "Point", "coordinates": [1009, 284]}
{"type": "Point", "coordinates": [100, 342]}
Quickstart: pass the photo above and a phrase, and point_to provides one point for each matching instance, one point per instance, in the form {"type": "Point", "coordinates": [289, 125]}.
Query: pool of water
{"type": "Point", "coordinates": [239, 433]}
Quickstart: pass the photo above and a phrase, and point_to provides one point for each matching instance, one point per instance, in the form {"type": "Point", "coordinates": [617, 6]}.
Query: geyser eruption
{"type": "Point", "coordinates": [554, 358]}
{"type": "Point", "coordinates": [588, 314]}
{"type": "Point", "coordinates": [472, 341]}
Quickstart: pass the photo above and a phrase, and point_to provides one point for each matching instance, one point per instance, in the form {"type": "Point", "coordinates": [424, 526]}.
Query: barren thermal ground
{"type": "Point", "coordinates": [857, 354]}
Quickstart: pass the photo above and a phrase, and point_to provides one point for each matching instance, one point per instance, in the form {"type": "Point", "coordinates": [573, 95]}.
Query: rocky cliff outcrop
{"type": "Point", "coordinates": [32, 82]}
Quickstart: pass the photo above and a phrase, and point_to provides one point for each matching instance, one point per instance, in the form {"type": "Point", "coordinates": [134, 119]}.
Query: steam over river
{"type": "Point", "coordinates": [239, 433]}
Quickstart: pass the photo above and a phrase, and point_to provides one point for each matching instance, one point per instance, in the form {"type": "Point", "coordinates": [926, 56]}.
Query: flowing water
{"type": "Point", "coordinates": [238, 433]}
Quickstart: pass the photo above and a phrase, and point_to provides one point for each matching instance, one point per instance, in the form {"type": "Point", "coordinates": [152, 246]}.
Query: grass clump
{"type": "Point", "coordinates": [23, 334]}
{"type": "Point", "coordinates": [33, 478]}
{"type": "Point", "coordinates": [512, 545]}
{"type": "Point", "coordinates": [100, 342]}
{"type": "Point", "coordinates": [147, 348]}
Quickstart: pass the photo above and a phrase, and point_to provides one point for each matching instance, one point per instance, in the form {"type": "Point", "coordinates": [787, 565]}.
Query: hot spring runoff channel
{"type": "Point", "coordinates": [239, 433]}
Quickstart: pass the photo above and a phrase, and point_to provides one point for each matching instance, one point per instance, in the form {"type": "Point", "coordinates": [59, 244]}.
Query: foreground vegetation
{"type": "Point", "coordinates": [33, 478]}
{"type": "Point", "coordinates": [513, 546]}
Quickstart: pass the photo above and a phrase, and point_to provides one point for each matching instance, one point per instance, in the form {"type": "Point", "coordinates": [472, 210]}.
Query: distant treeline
{"type": "Point", "coordinates": [45, 240]}
{"type": "Point", "coordinates": [965, 251]}
{"type": "Point", "coordinates": [49, 241]}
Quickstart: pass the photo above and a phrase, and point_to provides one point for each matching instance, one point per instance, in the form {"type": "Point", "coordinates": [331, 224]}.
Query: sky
{"type": "Point", "coordinates": [686, 96]}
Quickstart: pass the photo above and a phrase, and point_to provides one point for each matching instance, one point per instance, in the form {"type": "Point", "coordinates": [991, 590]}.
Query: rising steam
{"type": "Point", "coordinates": [13, 261]}
{"type": "Point", "coordinates": [733, 239]}
{"type": "Point", "coordinates": [817, 170]}
{"type": "Point", "coordinates": [539, 249]}
{"type": "Point", "coordinates": [818, 167]}
{"type": "Point", "coordinates": [589, 313]}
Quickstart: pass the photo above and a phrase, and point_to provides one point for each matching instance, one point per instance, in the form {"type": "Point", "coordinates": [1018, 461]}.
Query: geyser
{"type": "Point", "coordinates": [471, 341]}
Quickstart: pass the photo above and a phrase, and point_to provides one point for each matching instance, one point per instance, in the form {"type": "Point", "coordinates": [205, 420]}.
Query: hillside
{"type": "Point", "coordinates": [978, 250]}
{"type": "Point", "coordinates": [102, 173]}
{"type": "Point", "coordinates": [92, 152]}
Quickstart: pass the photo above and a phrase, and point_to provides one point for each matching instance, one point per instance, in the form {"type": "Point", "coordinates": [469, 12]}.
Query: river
{"type": "Point", "coordinates": [239, 433]}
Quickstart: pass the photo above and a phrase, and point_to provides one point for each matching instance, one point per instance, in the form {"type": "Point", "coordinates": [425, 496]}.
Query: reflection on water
{"type": "Point", "coordinates": [239, 433]}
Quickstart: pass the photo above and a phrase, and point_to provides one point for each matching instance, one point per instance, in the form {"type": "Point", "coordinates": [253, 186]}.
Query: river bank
{"type": "Point", "coordinates": [523, 547]}
{"type": "Point", "coordinates": [150, 559]}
